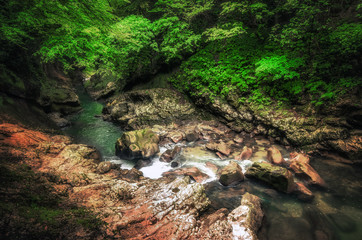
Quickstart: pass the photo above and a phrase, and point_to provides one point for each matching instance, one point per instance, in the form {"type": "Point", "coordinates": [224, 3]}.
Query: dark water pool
{"type": "Point", "coordinates": [88, 127]}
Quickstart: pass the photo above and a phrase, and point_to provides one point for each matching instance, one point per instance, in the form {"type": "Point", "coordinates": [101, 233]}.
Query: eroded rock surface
{"type": "Point", "coordinates": [144, 108]}
{"type": "Point", "coordinates": [139, 144]}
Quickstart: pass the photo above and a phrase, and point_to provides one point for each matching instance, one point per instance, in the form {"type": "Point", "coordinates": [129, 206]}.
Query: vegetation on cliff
{"type": "Point", "coordinates": [292, 51]}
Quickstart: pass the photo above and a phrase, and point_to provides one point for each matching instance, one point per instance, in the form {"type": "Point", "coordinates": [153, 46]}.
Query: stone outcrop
{"type": "Point", "coordinates": [278, 177]}
{"type": "Point", "coordinates": [144, 108]}
{"type": "Point", "coordinates": [139, 144]}
{"type": "Point", "coordinates": [231, 174]}
{"type": "Point", "coordinates": [134, 207]}
{"type": "Point", "coordinates": [302, 127]}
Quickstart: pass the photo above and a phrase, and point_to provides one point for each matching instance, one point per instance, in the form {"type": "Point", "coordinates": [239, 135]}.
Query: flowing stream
{"type": "Point", "coordinates": [335, 212]}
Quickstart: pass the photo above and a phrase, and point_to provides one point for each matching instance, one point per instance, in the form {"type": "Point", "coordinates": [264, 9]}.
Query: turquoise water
{"type": "Point", "coordinates": [88, 127]}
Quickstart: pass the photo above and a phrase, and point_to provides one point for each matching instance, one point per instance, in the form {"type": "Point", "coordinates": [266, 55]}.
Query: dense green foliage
{"type": "Point", "coordinates": [288, 50]}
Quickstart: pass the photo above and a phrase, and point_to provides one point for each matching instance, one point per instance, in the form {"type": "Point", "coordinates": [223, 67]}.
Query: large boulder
{"type": "Point", "coordinates": [276, 176]}
{"type": "Point", "coordinates": [231, 174]}
{"type": "Point", "coordinates": [247, 218]}
{"type": "Point", "coordinates": [140, 144]}
{"type": "Point", "coordinates": [305, 170]}
{"type": "Point", "coordinates": [144, 108]}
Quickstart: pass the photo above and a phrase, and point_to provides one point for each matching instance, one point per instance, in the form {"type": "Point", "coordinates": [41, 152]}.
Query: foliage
{"type": "Point", "coordinates": [283, 50]}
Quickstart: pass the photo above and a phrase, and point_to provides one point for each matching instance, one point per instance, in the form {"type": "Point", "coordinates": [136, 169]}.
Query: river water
{"type": "Point", "coordinates": [335, 212]}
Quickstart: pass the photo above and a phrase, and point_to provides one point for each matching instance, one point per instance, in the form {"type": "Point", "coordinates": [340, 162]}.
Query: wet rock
{"type": "Point", "coordinates": [58, 119]}
{"type": "Point", "coordinates": [221, 147]}
{"type": "Point", "coordinates": [245, 154]}
{"type": "Point", "coordinates": [276, 176]}
{"type": "Point", "coordinates": [175, 164]}
{"type": "Point", "coordinates": [170, 154]}
{"type": "Point", "coordinates": [104, 167]}
{"type": "Point", "coordinates": [212, 167]}
{"type": "Point", "coordinates": [142, 163]}
{"type": "Point", "coordinates": [193, 172]}
{"type": "Point", "coordinates": [133, 175]}
{"type": "Point", "coordinates": [176, 136]}
{"type": "Point", "coordinates": [246, 219]}
{"type": "Point", "coordinates": [300, 157]}
{"type": "Point", "coordinates": [220, 155]}
{"type": "Point", "coordinates": [275, 156]}
{"type": "Point", "coordinates": [191, 136]}
{"type": "Point", "coordinates": [231, 174]}
{"type": "Point", "coordinates": [306, 171]}
{"type": "Point", "coordinates": [137, 144]}
{"type": "Point", "coordinates": [303, 193]}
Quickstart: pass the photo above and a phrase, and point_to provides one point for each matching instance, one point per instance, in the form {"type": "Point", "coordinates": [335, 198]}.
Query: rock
{"type": "Point", "coordinates": [231, 174]}
{"type": "Point", "coordinates": [305, 170]}
{"type": "Point", "coordinates": [238, 139]}
{"type": "Point", "coordinates": [142, 163]}
{"type": "Point", "coordinates": [221, 156]}
{"type": "Point", "coordinates": [247, 218]}
{"type": "Point", "coordinates": [193, 172]}
{"type": "Point", "coordinates": [300, 157]}
{"type": "Point", "coordinates": [351, 147]}
{"type": "Point", "coordinates": [212, 167]}
{"type": "Point", "coordinates": [174, 164]}
{"type": "Point", "coordinates": [191, 136]}
{"type": "Point", "coordinates": [176, 136]}
{"type": "Point", "coordinates": [245, 154]}
{"type": "Point", "coordinates": [148, 107]}
{"type": "Point", "coordinates": [278, 177]}
{"type": "Point", "coordinates": [133, 175]}
{"type": "Point", "coordinates": [58, 120]}
{"type": "Point", "coordinates": [303, 193]}
{"type": "Point", "coordinates": [274, 156]}
{"type": "Point", "coordinates": [221, 147]}
{"type": "Point", "coordinates": [140, 144]}
{"type": "Point", "coordinates": [170, 154]}
{"type": "Point", "coordinates": [104, 167]}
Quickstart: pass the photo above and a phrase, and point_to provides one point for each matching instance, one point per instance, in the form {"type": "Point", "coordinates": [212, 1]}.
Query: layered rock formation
{"type": "Point", "coordinates": [133, 206]}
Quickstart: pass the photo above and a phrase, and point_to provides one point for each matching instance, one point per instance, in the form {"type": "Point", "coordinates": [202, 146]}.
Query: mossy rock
{"type": "Point", "coordinates": [278, 177]}
{"type": "Point", "coordinates": [139, 144]}
{"type": "Point", "coordinates": [231, 174]}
